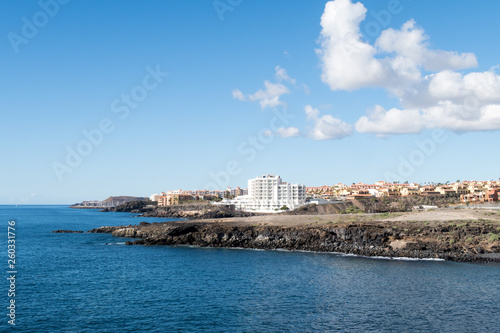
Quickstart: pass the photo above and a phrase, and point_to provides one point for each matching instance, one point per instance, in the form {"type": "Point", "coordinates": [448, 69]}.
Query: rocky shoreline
{"type": "Point", "coordinates": [462, 241]}
{"type": "Point", "coordinates": [194, 211]}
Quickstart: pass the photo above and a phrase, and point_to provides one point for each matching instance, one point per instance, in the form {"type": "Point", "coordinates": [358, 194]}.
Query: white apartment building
{"type": "Point", "coordinates": [155, 197]}
{"type": "Point", "coordinates": [268, 193]}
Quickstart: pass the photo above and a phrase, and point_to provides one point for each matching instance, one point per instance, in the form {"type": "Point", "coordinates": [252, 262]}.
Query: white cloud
{"type": "Point", "coordinates": [311, 112]}
{"type": "Point", "coordinates": [393, 121]}
{"type": "Point", "coordinates": [237, 94]}
{"type": "Point", "coordinates": [460, 119]}
{"type": "Point", "coordinates": [288, 132]}
{"type": "Point", "coordinates": [329, 128]}
{"type": "Point", "coordinates": [396, 61]}
{"type": "Point", "coordinates": [269, 97]}
{"type": "Point", "coordinates": [350, 63]}
{"type": "Point", "coordinates": [410, 46]}
{"type": "Point", "coordinates": [282, 75]}
{"type": "Point", "coordinates": [268, 133]}
{"type": "Point", "coordinates": [326, 127]}
{"type": "Point", "coordinates": [446, 114]}
{"type": "Point", "coordinates": [448, 85]}
{"type": "Point", "coordinates": [347, 62]}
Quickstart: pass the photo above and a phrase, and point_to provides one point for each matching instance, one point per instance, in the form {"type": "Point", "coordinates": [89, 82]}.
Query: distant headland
{"type": "Point", "coordinates": [107, 203]}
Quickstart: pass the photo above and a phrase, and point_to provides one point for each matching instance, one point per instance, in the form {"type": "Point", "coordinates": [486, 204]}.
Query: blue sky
{"type": "Point", "coordinates": [381, 90]}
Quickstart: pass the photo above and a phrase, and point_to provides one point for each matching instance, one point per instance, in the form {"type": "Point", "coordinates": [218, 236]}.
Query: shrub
{"type": "Point", "coordinates": [492, 237]}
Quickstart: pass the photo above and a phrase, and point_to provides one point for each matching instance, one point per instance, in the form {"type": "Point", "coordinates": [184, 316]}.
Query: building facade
{"type": "Point", "coordinates": [268, 194]}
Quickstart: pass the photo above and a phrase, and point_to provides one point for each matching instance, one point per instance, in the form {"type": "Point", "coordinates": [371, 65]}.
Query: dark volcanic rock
{"type": "Point", "coordinates": [103, 230]}
{"type": "Point", "coordinates": [359, 239]}
{"type": "Point", "coordinates": [137, 206]}
{"type": "Point", "coordinates": [458, 241]}
{"type": "Point", "coordinates": [196, 211]}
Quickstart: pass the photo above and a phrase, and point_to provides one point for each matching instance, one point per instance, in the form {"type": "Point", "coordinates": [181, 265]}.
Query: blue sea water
{"type": "Point", "coordinates": [95, 283]}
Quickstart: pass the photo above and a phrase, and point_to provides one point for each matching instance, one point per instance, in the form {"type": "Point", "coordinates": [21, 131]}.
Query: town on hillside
{"type": "Point", "coordinates": [269, 193]}
{"type": "Point", "coordinates": [467, 191]}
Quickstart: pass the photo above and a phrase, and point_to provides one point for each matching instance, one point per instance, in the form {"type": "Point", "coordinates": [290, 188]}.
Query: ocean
{"type": "Point", "coordinates": [96, 283]}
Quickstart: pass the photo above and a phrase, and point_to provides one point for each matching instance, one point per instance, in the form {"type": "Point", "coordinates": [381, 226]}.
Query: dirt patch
{"type": "Point", "coordinates": [437, 215]}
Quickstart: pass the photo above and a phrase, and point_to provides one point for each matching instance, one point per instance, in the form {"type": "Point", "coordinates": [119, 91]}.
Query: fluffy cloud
{"type": "Point", "coordinates": [444, 98]}
{"type": "Point", "coordinates": [282, 75]}
{"type": "Point", "coordinates": [267, 98]}
{"type": "Point", "coordinates": [347, 62]}
{"type": "Point", "coordinates": [394, 121]}
{"type": "Point", "coordinates": [311, 112]}
{"type": "Point", "coordinates": [350, 63]}
{"type": "Point", "coordinates": [237, 94]}
{"type": "Point", "coordinates": [288, 132]}
{"type": "Point", "coordinates": [461, 118]}
{"type": "Point", "coordinates": [326, 127]}
{"type": "Point", "coordinates": [270, 96]}
{"type": "Point", "coordinates": [410, 46]}
{"type": "Point", "coordinates": [448, 100]}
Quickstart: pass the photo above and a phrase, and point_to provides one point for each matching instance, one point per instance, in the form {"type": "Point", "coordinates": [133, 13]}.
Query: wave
{"type": "Point", "coordinates": [316, 252]}
{"type": "Point", "coordinates": [344, 254]}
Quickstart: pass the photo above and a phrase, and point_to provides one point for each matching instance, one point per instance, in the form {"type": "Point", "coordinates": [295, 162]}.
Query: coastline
{"type": "Point", "coordinates": [469, 236]}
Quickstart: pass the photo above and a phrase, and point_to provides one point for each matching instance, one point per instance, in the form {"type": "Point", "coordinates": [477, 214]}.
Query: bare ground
{"type": "Point", "coordinates": [311, 220]}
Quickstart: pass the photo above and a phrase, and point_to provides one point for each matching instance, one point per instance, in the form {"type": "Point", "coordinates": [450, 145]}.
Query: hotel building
{"type": "Point", "coordinates": [268, 194]}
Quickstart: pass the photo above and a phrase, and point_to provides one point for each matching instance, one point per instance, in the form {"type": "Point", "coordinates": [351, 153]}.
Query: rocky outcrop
{"type": "Point", "coordinates": [444, 241]}
{"type": "Point", "coordinates": [137, 206]}
{"type": "Point", "coordinates": [375, 205]}
{"type": "Point", "coordinates": [196, 212]}
{"type": "Point", "coordinates": [193, 211]}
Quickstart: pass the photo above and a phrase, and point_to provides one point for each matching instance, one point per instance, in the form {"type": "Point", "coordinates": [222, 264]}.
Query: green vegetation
{"type": "Point", "coordinates": [284, 208]}
{"type": "Point", "coordinates": [492, 237]}
{"type": "Point", "coordinates": [352, 210]}
{"type": "Point", "coordinates": [469, 240]}
{"type": "Point", "coordinates": [452, 241]}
